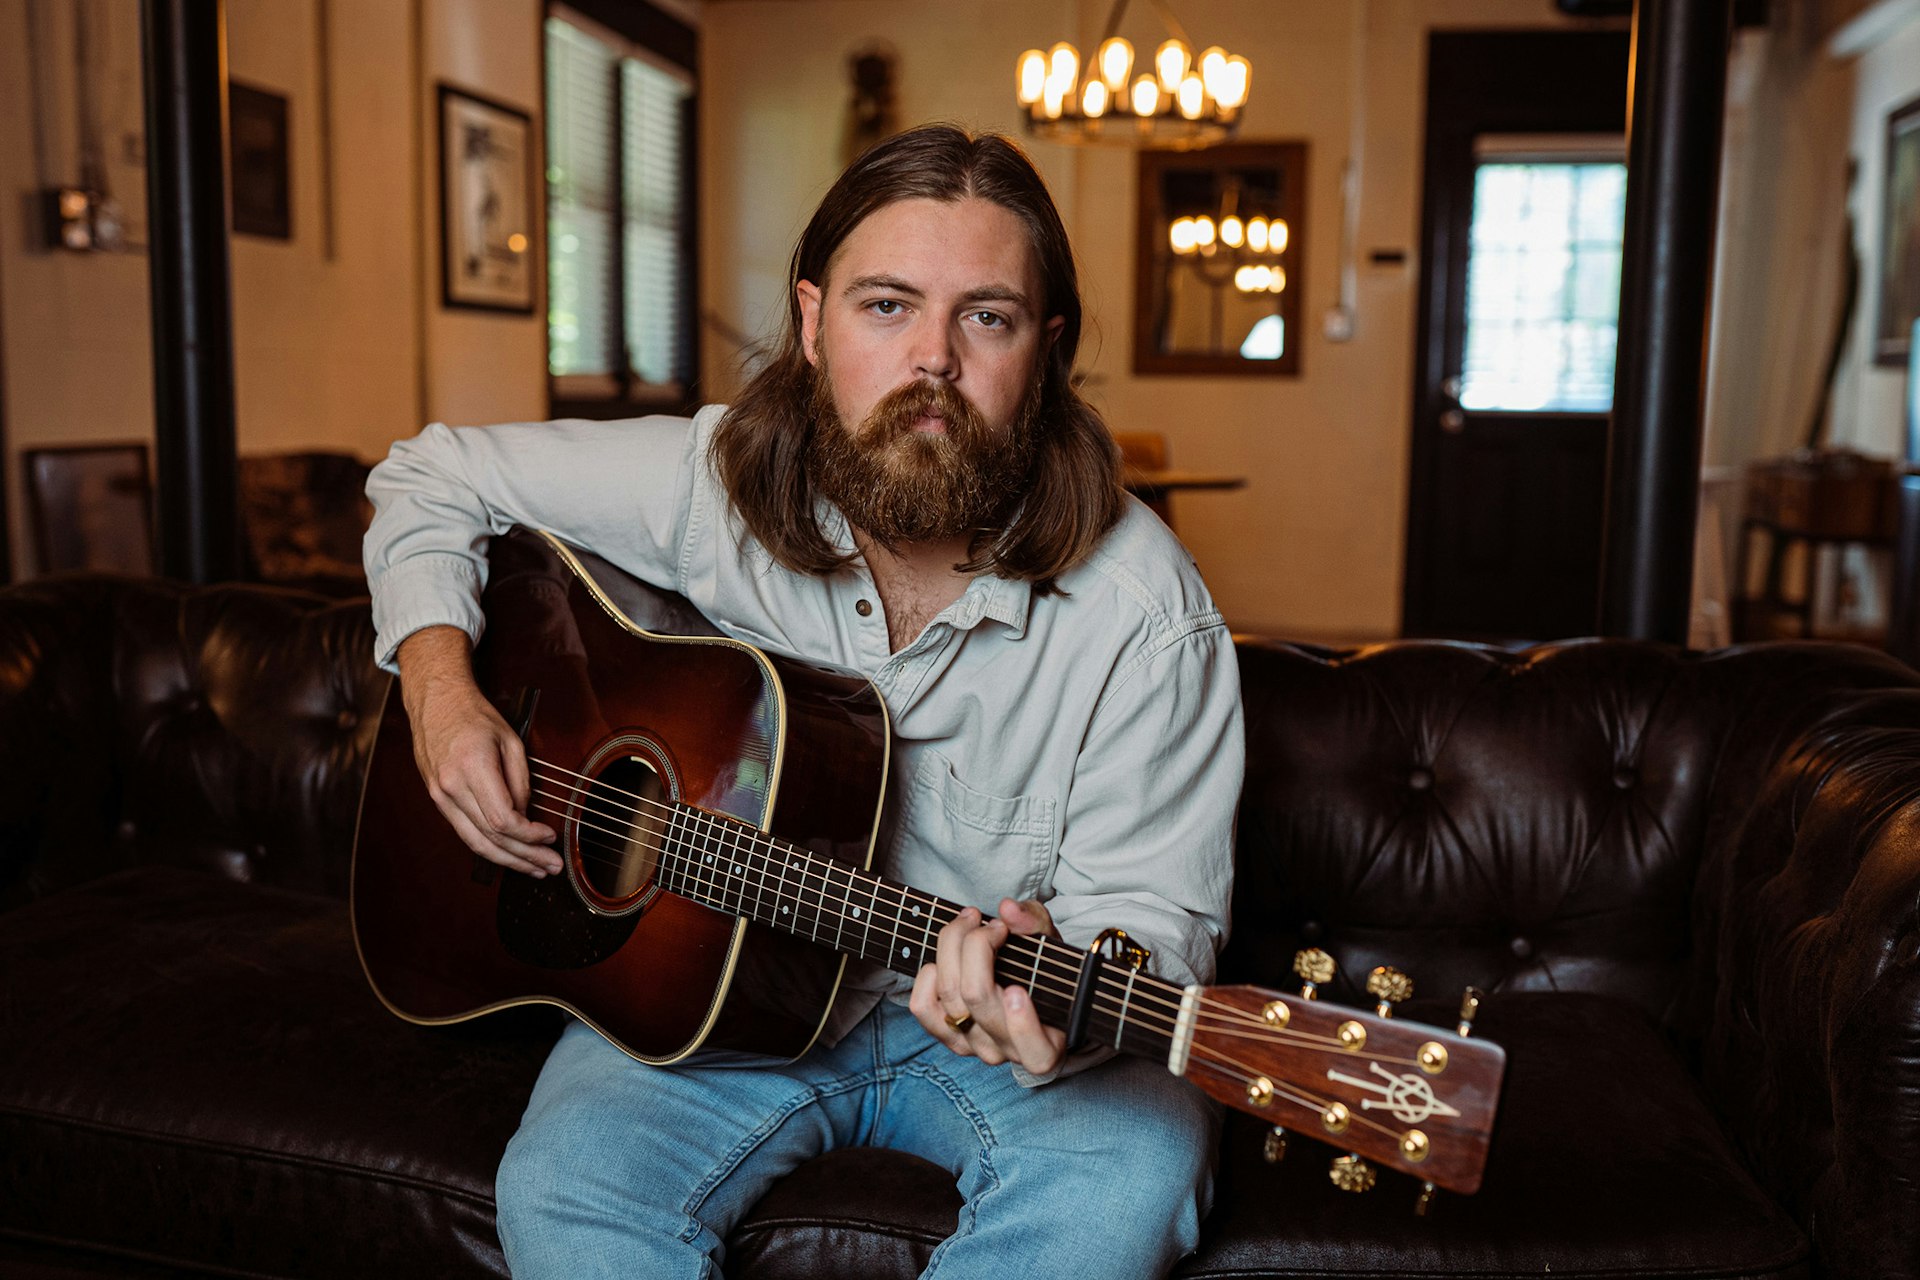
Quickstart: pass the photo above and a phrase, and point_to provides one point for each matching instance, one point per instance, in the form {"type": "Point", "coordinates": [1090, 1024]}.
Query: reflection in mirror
{"type": "Point", "coordinates": [1217, 252]}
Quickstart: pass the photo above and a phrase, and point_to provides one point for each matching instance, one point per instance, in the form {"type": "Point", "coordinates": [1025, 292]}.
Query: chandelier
{"type": "Point", "coordinates": [1182, 102]}
{"type": "Point", "coordinates": [1246, 252]}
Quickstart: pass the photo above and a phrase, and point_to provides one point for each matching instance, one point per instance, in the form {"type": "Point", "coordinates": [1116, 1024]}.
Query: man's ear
{"type": "Point", "coordinates": [807, 293]}
{"type": "Point", "coordinates": [1054, 328]}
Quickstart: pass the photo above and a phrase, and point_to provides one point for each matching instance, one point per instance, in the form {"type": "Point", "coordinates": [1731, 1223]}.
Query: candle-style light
{"type": "Point", "coordinates": [1175, 99]}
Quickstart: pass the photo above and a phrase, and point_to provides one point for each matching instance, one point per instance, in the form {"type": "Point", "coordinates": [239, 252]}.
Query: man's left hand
{"type": "Point", "coordinates": [956, 999]}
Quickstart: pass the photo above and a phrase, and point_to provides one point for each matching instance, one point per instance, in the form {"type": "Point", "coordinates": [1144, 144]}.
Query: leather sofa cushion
{"type": "Point", "coordinates": [210, 1052]}
{"type": "Point", "coordinates": [210, 1056]}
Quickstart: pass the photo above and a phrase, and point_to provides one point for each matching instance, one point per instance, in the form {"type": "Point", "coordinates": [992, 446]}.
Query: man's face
{"type": "Point", "coordinates": [929, 335]}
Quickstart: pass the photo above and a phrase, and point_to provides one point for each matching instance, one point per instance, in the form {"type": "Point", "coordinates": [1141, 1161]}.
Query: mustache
{"type": "Point", "coordinates": [900, 408]}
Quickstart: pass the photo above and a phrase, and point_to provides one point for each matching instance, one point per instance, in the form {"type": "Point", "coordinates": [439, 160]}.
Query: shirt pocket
{"type": "Point", "coordinates": [966, 844]}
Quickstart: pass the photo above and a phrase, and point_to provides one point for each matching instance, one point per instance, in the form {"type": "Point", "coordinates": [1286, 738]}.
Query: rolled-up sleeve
{"type": "Point", "coordinates": [621, 488]}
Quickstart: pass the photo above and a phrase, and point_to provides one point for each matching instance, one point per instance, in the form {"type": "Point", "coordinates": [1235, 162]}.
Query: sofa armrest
{"type": "Point", "coordinates": [224, 727]}
{"type": "Point", "coordinates": [1809, 910]}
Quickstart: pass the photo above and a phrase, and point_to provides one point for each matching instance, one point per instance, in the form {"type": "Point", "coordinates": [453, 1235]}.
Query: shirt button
{"type": "Point", "coordinates": [863, 607]}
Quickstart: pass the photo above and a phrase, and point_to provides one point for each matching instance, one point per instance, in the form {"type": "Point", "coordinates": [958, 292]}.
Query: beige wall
{"type": "Point", "coordinates": [1313, 545]}
{"type": "Point", "coordinates": [344, 349]}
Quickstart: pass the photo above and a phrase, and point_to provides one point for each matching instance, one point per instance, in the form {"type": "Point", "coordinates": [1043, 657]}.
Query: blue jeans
{"type": "Point", "coordinates": [622, 1169]}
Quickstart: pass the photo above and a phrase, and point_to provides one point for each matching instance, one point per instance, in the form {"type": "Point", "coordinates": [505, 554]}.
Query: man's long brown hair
{"type": "Point", "coordinates": [760, 447]}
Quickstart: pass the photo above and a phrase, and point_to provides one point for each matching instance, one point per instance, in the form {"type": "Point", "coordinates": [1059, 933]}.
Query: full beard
{"type": "Point", "coordinates": [898, 485]}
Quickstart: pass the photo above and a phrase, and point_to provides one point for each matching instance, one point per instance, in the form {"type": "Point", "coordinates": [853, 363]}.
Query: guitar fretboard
{"type": "Point", "coordinates": [725, 864]}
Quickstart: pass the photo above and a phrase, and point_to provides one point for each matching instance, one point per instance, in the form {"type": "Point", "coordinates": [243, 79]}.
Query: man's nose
{"type": "Point", "coordinates": [934, 354]}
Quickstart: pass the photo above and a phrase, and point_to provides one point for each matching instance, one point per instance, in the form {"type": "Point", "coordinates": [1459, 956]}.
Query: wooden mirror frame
{"type": "Point", "coordinates": [1150, 230]}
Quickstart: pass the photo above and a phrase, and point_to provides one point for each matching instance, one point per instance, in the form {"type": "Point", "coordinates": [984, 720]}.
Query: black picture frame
{"type": "Point", "coordinates": [1899, 283]}
{"type": "Point", "coordinates": [259, 152]}
{"type": "Point", "coordinates": [489, 249]}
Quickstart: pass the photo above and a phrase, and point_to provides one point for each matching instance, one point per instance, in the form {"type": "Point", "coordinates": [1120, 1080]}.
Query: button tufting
{"type": "Point", "coordinates": [1310, 932]}
{"type": "Point", "coordinates": [347, 719]}
{"type": "Point", "coordinates": [1521, 948]}
{"type": "Point", "coordinates": [863, 607]}
{"type": "Point", "coordinates": [1624, 777]}
{"type": "Point", "coordinates": [1420, 779]}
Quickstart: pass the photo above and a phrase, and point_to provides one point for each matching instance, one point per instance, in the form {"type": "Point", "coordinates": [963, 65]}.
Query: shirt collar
{"type": "Point", "coordinates": [1005, 600]}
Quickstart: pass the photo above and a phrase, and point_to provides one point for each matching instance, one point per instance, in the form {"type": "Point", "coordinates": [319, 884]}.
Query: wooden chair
{"type": "Point", "coordinates": [1145, 451]}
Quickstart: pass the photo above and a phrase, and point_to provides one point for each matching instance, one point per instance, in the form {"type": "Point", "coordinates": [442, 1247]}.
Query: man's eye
{"type": "Point", "coordinates": [885, 306]}
{"type": "Point", "coordinates": [991, 319]}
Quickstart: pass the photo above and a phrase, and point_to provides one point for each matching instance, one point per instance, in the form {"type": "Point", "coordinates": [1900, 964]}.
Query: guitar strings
{"type": "Point", "coordinates": [1236, 1017]}
{"type": "Point", "coordinates": [1235, 1069]}
{"type": "Point", "coordinates": [1236, 1021]}
{"type": "Point", "coordinates": [1062, 968]}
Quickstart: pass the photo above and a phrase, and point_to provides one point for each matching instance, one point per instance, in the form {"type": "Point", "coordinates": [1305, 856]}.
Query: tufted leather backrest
{"type": "Point", "coordinates": [142, 721]}
{"type": "Point", "coordinates": [1515, 820]}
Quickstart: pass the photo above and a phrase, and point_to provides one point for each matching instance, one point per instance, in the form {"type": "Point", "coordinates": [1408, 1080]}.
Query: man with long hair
{"type": "Point", "coordinates": [912, 488]}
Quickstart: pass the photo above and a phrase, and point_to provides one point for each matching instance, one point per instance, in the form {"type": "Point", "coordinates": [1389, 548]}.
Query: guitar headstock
{"type": "Point", "coordinates": [1412, 1097]}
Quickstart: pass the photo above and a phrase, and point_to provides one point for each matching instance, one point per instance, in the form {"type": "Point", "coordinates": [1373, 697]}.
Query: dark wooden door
{"type": "Point", "coordinates": [1524, 188]}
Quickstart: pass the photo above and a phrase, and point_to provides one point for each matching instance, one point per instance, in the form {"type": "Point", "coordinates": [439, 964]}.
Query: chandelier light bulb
{"type": "Point", "coordinates": [1235, 78]}
{"type": "Point", "coordinates": [1116, 63]}
{"type": "Point", "coordinates": [1030, 76]}
{"type": "Point", "coordinates": [1063, 65]}
{"type": "Point", "coordinates": [1093, 101]}
{"type": "Point", "coordinates": [1233, 232]}
{"type": "Point", "coordinates": [1212, 66]}
{"type": "Point", "coordinates": [1054, 99]}
{"type": "Point", "coordinates": [1276, 279]}
{"type": "Point", "coordinates": [1170, 63]}
{"type": "Point", "coordinates": [1181, 235]}
{"type": "Point", "coordinates": [1203, 231]}
{"type": "Point", "coordinates": [1192, 97]}
{"type": "Point", "coordinates": [1243, 279]}
{"type": "Point", "coordinates": [1277, 236]}
{"type": "Point", "coordinates": [1146, 96]}
{"type": "Point", "coordinates": [1257, 235]}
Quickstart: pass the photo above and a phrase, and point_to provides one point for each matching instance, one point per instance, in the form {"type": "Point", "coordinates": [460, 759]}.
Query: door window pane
{"type": "Point", "coordinates": [1543, 286]}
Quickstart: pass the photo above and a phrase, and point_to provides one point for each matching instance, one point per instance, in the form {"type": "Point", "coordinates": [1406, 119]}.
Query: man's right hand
{"type": "Point", "coordinates": [473, 763]}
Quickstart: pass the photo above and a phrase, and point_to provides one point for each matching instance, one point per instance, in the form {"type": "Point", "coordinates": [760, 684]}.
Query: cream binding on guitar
{"type": "Point", "coordinates": [717, 808]}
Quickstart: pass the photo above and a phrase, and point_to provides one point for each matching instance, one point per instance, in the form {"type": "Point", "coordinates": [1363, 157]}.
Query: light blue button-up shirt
{"type": "Point", "coordinates": [1083, 748]}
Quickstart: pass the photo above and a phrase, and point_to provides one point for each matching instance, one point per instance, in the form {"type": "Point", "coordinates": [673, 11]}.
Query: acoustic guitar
{"type": "Point", "coordinates": [718, 808]}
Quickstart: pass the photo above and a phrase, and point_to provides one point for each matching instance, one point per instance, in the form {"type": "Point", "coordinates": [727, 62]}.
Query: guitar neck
{"type": "Point", "coordinates": [725, 864]}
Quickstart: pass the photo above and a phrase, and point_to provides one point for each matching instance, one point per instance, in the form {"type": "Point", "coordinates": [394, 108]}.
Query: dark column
{"type": "Point", "coordinates": [1680, 50]}
{"type": "Point", "coordinates": [184, 46]}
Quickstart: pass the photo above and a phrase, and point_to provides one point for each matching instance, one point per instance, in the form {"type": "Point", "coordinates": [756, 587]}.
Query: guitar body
{"type": "Point", "coordinates": [621, 693]}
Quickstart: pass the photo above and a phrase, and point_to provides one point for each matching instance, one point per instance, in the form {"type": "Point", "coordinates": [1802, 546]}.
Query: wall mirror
{"type": "Point", "coordinates": [1218, 247]}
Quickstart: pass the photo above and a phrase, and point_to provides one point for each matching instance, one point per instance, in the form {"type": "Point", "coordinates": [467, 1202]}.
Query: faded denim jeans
{"type": "Point", "coordinates": [623, 1169]}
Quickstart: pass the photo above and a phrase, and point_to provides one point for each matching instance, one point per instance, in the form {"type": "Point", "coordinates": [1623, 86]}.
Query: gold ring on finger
{"type": "Point", "coordinates": [960, 1023]}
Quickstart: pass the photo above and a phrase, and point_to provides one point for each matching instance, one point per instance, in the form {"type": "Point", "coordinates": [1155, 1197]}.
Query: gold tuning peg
{"type": "Point", "coordinates": [1425, 1201]}
{"type": "Point", "coordinates": [1314, 967]}
{"type": "Point", "coordinates": [1276, 1146]}
{"type": "Point", "coordinates": [1469, 1006]}
{"type": "Point", "coordinates": [1351, 1173]}
{"type": "Point", "coordinates": [1389, 986]}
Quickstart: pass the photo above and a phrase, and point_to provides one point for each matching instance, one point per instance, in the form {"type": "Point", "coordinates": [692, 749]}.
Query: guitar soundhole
{"type": "Point", "coordinates": [619, 826]}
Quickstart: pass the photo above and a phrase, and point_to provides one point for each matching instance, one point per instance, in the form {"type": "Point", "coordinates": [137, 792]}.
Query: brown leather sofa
{"type": "Point", "coordinates": [1689, 883]}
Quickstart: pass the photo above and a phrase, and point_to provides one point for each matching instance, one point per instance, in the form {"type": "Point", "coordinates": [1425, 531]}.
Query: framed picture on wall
{"type": "Point", "coordinates": [1900, 238]}
{"type": "Point", "coordinates": [486, 204]}
{"type": "Point", "coordinates": [257, 149]}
